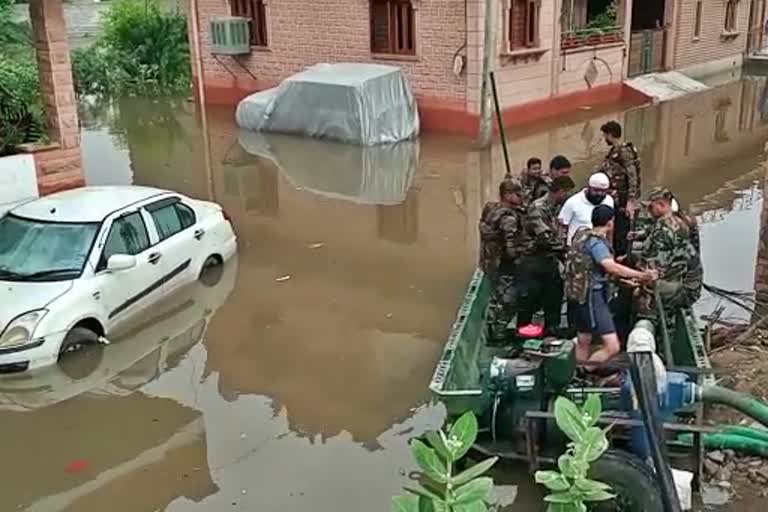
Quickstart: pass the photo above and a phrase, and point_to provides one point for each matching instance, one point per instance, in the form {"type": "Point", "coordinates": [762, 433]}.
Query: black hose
{"type": "Point", "coordinates": [644, 385]}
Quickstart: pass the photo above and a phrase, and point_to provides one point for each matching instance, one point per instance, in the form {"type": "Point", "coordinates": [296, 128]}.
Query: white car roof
{"type": "Point", "coordinates": [89, 204]}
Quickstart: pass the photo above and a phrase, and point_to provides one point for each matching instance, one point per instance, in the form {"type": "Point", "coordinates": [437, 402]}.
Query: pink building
{"type": "Point", "coordinates": [697, 37]}
{"type": "Point", "coordinates": [551, 55]}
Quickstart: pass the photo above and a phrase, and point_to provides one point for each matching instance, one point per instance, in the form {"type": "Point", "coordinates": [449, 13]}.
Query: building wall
{"type": "Point", "coordinates": [524, 77]}
{"type": "Point", "coordinates": [302, 33]}
{"type": "Point", "coordinates": [712, 44]}
{"type": "Point", "coordinates": [533, 85]}
{"type": "Point", "coordinates": [609, 62]}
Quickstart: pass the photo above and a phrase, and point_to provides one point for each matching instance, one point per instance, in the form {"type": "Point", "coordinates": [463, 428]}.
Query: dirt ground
{"type": "Point", "coordinates": [743, 367]}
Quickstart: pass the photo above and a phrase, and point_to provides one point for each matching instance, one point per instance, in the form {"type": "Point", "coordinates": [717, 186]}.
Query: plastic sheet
{"type": "Point", "coordinates": [365, 104]}
{"type": "Point", "coordinates": [378, 175]}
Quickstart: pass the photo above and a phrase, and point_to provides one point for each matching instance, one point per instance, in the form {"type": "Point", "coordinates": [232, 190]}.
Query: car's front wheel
{"type": "Point", "coordinates": [80, 353]}
{"type": "Point", "coordinates": [212, 270]}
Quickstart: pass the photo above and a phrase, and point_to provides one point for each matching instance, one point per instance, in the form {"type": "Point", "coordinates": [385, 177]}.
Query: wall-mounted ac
{"type": "Point", "coordinates": [230, 35]}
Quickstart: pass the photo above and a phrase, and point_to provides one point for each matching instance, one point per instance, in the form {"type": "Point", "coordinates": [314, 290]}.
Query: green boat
{"type": "Point", "coordinates": [461, 379]}
{"type": "Point", "coordinates": [512, 389]}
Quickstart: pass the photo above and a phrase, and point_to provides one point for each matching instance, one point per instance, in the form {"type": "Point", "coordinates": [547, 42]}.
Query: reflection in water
{"type": "Point", "coordinates": [124, 439]}
{"type": "Point", "coordinates": [379, 175]}
{"type": "Point", "coordinates": [322, 353]}
{"type": "Point", "coordinates": [399, 223]}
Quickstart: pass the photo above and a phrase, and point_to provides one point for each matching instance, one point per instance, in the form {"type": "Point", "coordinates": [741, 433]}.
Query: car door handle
{"type": "Point", "coordinates": [155, 257]}
{"type": "Point", "coordinates": [199, 234]}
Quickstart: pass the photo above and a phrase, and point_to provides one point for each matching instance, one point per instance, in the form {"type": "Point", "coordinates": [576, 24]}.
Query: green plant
{"type": "Point", "coordinates": [570, 488]}
{"type": "Point", "coordinates": [606, 20]}
{"type": "Point", "coordinates": [143, 51]}
{"type": "Point", "coordinates": [443, 489]}
{"type": "Point", "coordinates": [21, 112]}
{"type": "Point", "coordinates": [13, 33]}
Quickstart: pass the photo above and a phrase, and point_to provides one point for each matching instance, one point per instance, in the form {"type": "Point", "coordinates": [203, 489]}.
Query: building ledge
{"type": "Point", "coordinates": [592, 48]}
{"type": "Point", "coordinates": [38, 147]}
{"type": "Point", "coordinates": [525, 54]}
{"type": "Point", "coordinates": [727, 35]}
{"type": "Point", "coordinates": [395, 56]}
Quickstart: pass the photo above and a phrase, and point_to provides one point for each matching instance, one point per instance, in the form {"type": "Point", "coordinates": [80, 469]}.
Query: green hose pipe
{"type": "Point", "coordinates": [742, 402]}
{"type": "Point", "coordinates": [752, 433]}
{"type": "Point", "coordinates": [737, 443]}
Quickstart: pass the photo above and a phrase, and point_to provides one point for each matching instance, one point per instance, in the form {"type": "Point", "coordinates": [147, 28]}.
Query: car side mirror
{"type": "Point", "coordinates": [118, 262]}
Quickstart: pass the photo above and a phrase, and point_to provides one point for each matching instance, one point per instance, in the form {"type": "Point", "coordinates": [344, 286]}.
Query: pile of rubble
{"type": "Point", "coordinates": [722, 467]}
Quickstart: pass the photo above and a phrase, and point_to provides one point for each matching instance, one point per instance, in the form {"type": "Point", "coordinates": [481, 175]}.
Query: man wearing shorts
{"type": "Point", "coordinates": [589, 265]}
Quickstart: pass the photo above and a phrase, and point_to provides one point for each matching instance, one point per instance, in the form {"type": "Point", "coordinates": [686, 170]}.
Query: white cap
{"type": "Point", "coordinates": [675, 205]}
{"type": "Point", "coordinates": [599, 181]}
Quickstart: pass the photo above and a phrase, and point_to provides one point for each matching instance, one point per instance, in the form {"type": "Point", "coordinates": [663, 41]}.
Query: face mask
{"type": "Point", "coordinates": [595, 198]}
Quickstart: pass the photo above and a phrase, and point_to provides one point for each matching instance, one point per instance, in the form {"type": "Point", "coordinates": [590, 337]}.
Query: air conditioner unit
{"type": "Point", "coordinates": [230, 35]}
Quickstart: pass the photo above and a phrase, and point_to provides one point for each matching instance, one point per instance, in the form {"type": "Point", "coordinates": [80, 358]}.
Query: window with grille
{"type": "Point", "coordinates": [393, 27]}
{"type": "Point", "coordinates": [731, 11]}
{"type": "Point", "coordinates": [256, 13]}
{"type": "Point", "coordinates": [523, 24]}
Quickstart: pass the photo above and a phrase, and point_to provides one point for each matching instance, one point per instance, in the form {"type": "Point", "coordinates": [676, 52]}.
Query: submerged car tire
{"type": "Point", "coordinates": [80, 353]}
{"type": "Point", "coordinates": [632, 481]}
{"type": "Point", "coordinates": [211, 272]}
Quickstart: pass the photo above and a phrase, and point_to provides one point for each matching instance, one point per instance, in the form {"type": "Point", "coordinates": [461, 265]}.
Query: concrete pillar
{"type": "Point", "coordinates": [59, 166]}
{"type": "Point", "coordinates": [50, 37]}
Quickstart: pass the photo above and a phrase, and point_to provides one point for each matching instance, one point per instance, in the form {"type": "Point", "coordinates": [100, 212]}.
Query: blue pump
{"type": "Point", "coordinates": [677, 394]}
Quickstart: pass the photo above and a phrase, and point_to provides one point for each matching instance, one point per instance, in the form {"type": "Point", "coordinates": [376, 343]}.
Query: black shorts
{"type": "Point", "coordinates": [594, 316]}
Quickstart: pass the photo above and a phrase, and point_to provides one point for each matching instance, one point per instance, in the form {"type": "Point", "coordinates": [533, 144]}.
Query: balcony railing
{"type": "Point", "coordinates": [591, 37]}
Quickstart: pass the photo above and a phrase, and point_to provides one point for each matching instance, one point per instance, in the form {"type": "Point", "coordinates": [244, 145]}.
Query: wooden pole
{"type": "Point", "coordinates": [500, 121]}
{"type": "Point", "coordinates": [489, 59]}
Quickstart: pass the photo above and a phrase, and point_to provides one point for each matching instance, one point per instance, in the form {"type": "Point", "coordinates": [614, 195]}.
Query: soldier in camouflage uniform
{"type": "Point", "coordinates": [533, 180]}
{"type": "Point", "coordinates": [541, 286]}
{"type": "Point", "coordinates": [501, 233]}
{"type": "Point", "coordinates": [622, 166]}
{"type": "Point", "coordinates": [644, 221]}
{"type": "Point", "coordinates": [668, 248]}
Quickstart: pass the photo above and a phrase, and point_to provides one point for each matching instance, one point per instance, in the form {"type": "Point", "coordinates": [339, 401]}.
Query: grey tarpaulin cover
{"type": "Point", "coordinates": [366, 104]}
{"type": "Point", "coordinates": [368, 175]}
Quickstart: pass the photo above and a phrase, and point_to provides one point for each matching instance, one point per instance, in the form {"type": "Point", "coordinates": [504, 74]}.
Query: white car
{"type": "Point", "coordinates": [77, 264]}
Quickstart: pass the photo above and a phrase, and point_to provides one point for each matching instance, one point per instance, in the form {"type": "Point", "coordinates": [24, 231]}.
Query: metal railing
{"type": "Point", "coordinates": [591, 37]}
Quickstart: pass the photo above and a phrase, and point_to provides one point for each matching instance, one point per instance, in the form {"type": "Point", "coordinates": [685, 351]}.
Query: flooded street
{"type": "Point", "coordinates": [297, 380]}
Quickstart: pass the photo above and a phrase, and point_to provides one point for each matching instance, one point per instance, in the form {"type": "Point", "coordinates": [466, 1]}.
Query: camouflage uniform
{"type": "Point", "coordinates": [622, 166]}
{"type": "Point", "coordinates": [578, 267]}
{"type": "Point", "coordinates": [541, 285]}
{"type": "Point", "coordinates": [693, 229]}
{"type": "Point", "coordinates": [500, 240]}
{"type": "Point", "coordinates": [668, 250]}
{"type": "Point", "coordinates": [535, 187]}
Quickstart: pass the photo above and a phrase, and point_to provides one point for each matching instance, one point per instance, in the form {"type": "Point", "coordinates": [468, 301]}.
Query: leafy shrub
{"type": "Point", "coordinates": [21, 113]}
{"type": "Point", "coordinates": [143, 51]}
{"type": "Point", "coordinates": [570, 488]}
{"type": "Point", "coordinates": [12, 33]}
{"type": "Point", "coordinates": [443, 489]}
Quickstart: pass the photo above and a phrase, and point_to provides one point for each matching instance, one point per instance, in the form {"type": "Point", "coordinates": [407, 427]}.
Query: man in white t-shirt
{"type": "Point", "coordinates": [577, 211]}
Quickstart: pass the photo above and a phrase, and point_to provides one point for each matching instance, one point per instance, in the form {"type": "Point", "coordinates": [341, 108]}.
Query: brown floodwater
{"type": "Point", "coordinates": [296, 382]}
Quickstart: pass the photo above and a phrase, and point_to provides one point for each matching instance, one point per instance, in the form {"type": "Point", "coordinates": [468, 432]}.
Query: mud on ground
{"type": "Point", "coordinates": [743, 367]}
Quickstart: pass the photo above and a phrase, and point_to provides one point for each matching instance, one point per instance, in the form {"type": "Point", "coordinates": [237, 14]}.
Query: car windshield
{"type": "Point", "coordinates": [32, 250]}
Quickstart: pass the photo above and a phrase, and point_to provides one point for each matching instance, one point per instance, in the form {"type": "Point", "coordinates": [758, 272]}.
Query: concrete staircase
{"type": "Point", "coordinates": [665, 86]}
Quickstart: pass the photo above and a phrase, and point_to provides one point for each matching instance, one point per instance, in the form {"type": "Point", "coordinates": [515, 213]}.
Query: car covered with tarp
{"type": "Point", "coordinates": [363, 104]}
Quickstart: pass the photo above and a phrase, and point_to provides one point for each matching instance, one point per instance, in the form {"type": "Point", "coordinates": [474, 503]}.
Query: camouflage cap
{"type": "Point", "coordinates": [660, 193]}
